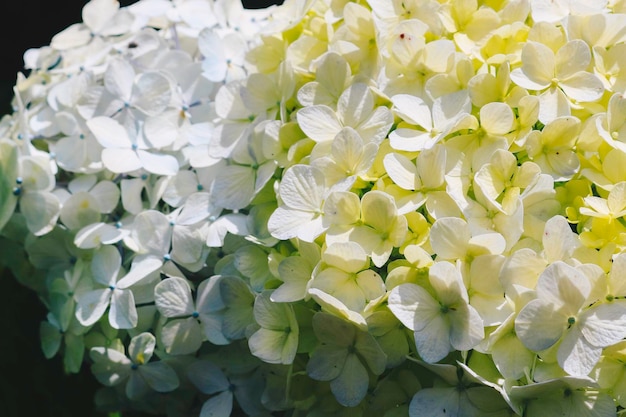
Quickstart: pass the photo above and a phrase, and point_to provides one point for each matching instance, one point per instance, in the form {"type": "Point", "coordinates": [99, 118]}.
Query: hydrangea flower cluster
{"type": "Point", "coordinates": [328, 207]}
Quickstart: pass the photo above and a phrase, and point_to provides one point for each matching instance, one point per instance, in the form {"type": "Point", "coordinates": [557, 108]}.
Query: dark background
{"type": "Point", "coordinates": [31, 385]}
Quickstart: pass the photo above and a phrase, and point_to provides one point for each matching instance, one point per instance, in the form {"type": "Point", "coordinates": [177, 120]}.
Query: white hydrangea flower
{"type": "Point", "coordinates": [112, 367]}
{"type": "Point", "coordinates": [441, 322]}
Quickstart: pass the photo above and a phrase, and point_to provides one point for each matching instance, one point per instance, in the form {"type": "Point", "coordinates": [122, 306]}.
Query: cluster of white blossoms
{"type": "Point", "coordinates": [328, 207]}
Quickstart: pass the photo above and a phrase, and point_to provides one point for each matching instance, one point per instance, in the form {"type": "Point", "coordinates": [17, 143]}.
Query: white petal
{"type": "Point", "coordinates": [320, 123]}
{"type": "Point", "coordinates": [109, 133]}
{"type": "Point", "coordinates": [350, 386]}
{"type": "Point", "coordinates": [107, 194]}
{"type": "Point", "coordinates": [492, 243]}
{"type": "Point", "coordinates": [197, 208]}
{"type": "Point", "coordinates": [413, 306]}
{"type": "Point", "coordinates": [539, 326]}
{"type": "Point", "coordinates": [118, 78]}
{"type": "Point", "coordinates": [447, 282]}
{"type": "Point", "coordinates": [433, 341]}
{"type": "Point", "coordinates": [604, 325]}
{"type": "Point", "coordinates": [94, 235]}
{"type": "Point", "coordinates": [376, 127]}
{"type": "Point", "coordinates": [355, 104]}
{"type": "Point", "coordinates": [172, 297]}
{"type": "Point", "coordinates": [450, 109]}
{"type": "Point", "coordinates": [413, 109]}
{"type": "Point", "coordinates": [618, 270]}
{"type": "Point", "coordinates": [335, 307]}
{"type": "Point", "coordinates": [558, 239]}
{"type": "Point", "coordinates": [70, 152]}
{"type": "Point", "coordinates": [431, 164]}
{"type": "Point", "coordinates": [80, 210]}
{"type": "Point", "coordinates": [123, 313]}
{"type": "Point", "coordinates": [161, 130]}
{"type": "Point", "coordinates": [131, 195]}
{"type": "Point", "coordinates": [538, 65]}
{"type": "Point", "coordinates": [140, 268]}
{"type": "Point", "coordinates": [562, 285]}
{"type": "Point", "coordinates": [234, 223]}
{"type": "Point", "coordinates": [401, 170]}
{"type": "Point", "coordinates": [156, 163]}
{"type": "Point", "coordinates": [141, 348]}
{"type": "Point", "coordinates": [553, 103]}
{"type": "Point", "coordinates": [303, 188]}
{"type": "Point", "coordinates": [151, 93]}
{"type": "Point", "coordinates": [511, 356]}
{"type": "Point", "coordinates": [182, 336]}
{"type": "Point", "coordinates": [91, 306]}
{"type": "Point", "coordinates": [73, 36]}
{"type": "Point", "coordinates": [576, 355]}
{"type": "Point", "coordinates": [268, 345]}
{"type": "Point", "coordinates": [110, 366]}
{"type": "Point", "coordinates": [105, 265]}
{"type": "Point", "coordinates": [571, 58]}
{"type": "Point", "coordinates": [467, 329]}
{"type": "Point", "coordinates": [228, 102]}
{"type": "Point", "coordinates": [159, 376]}
{"type": "Point", "coordinates": [583, 86]}
{"type": "Point", "coordinates": [152, 231]}
{"type": "Point", "coordinates": [435, 402]}
{"type": "Point", "coordinates": [121, 160]}
{"type": "Point", "coordinates": [41, 211]}
{"type": "Point", "coordinates": [234, 187]}
{"type": "Point", "coordinates": [212, 328]}
{"type": "Point", "coordinates": [214, 61]}
{"type": "Point", "coordinates": [410, 140]}
{"type": "Point", "coordinates": [497, 118]}
{"type": "Point", "coordinates": [449, 237]}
